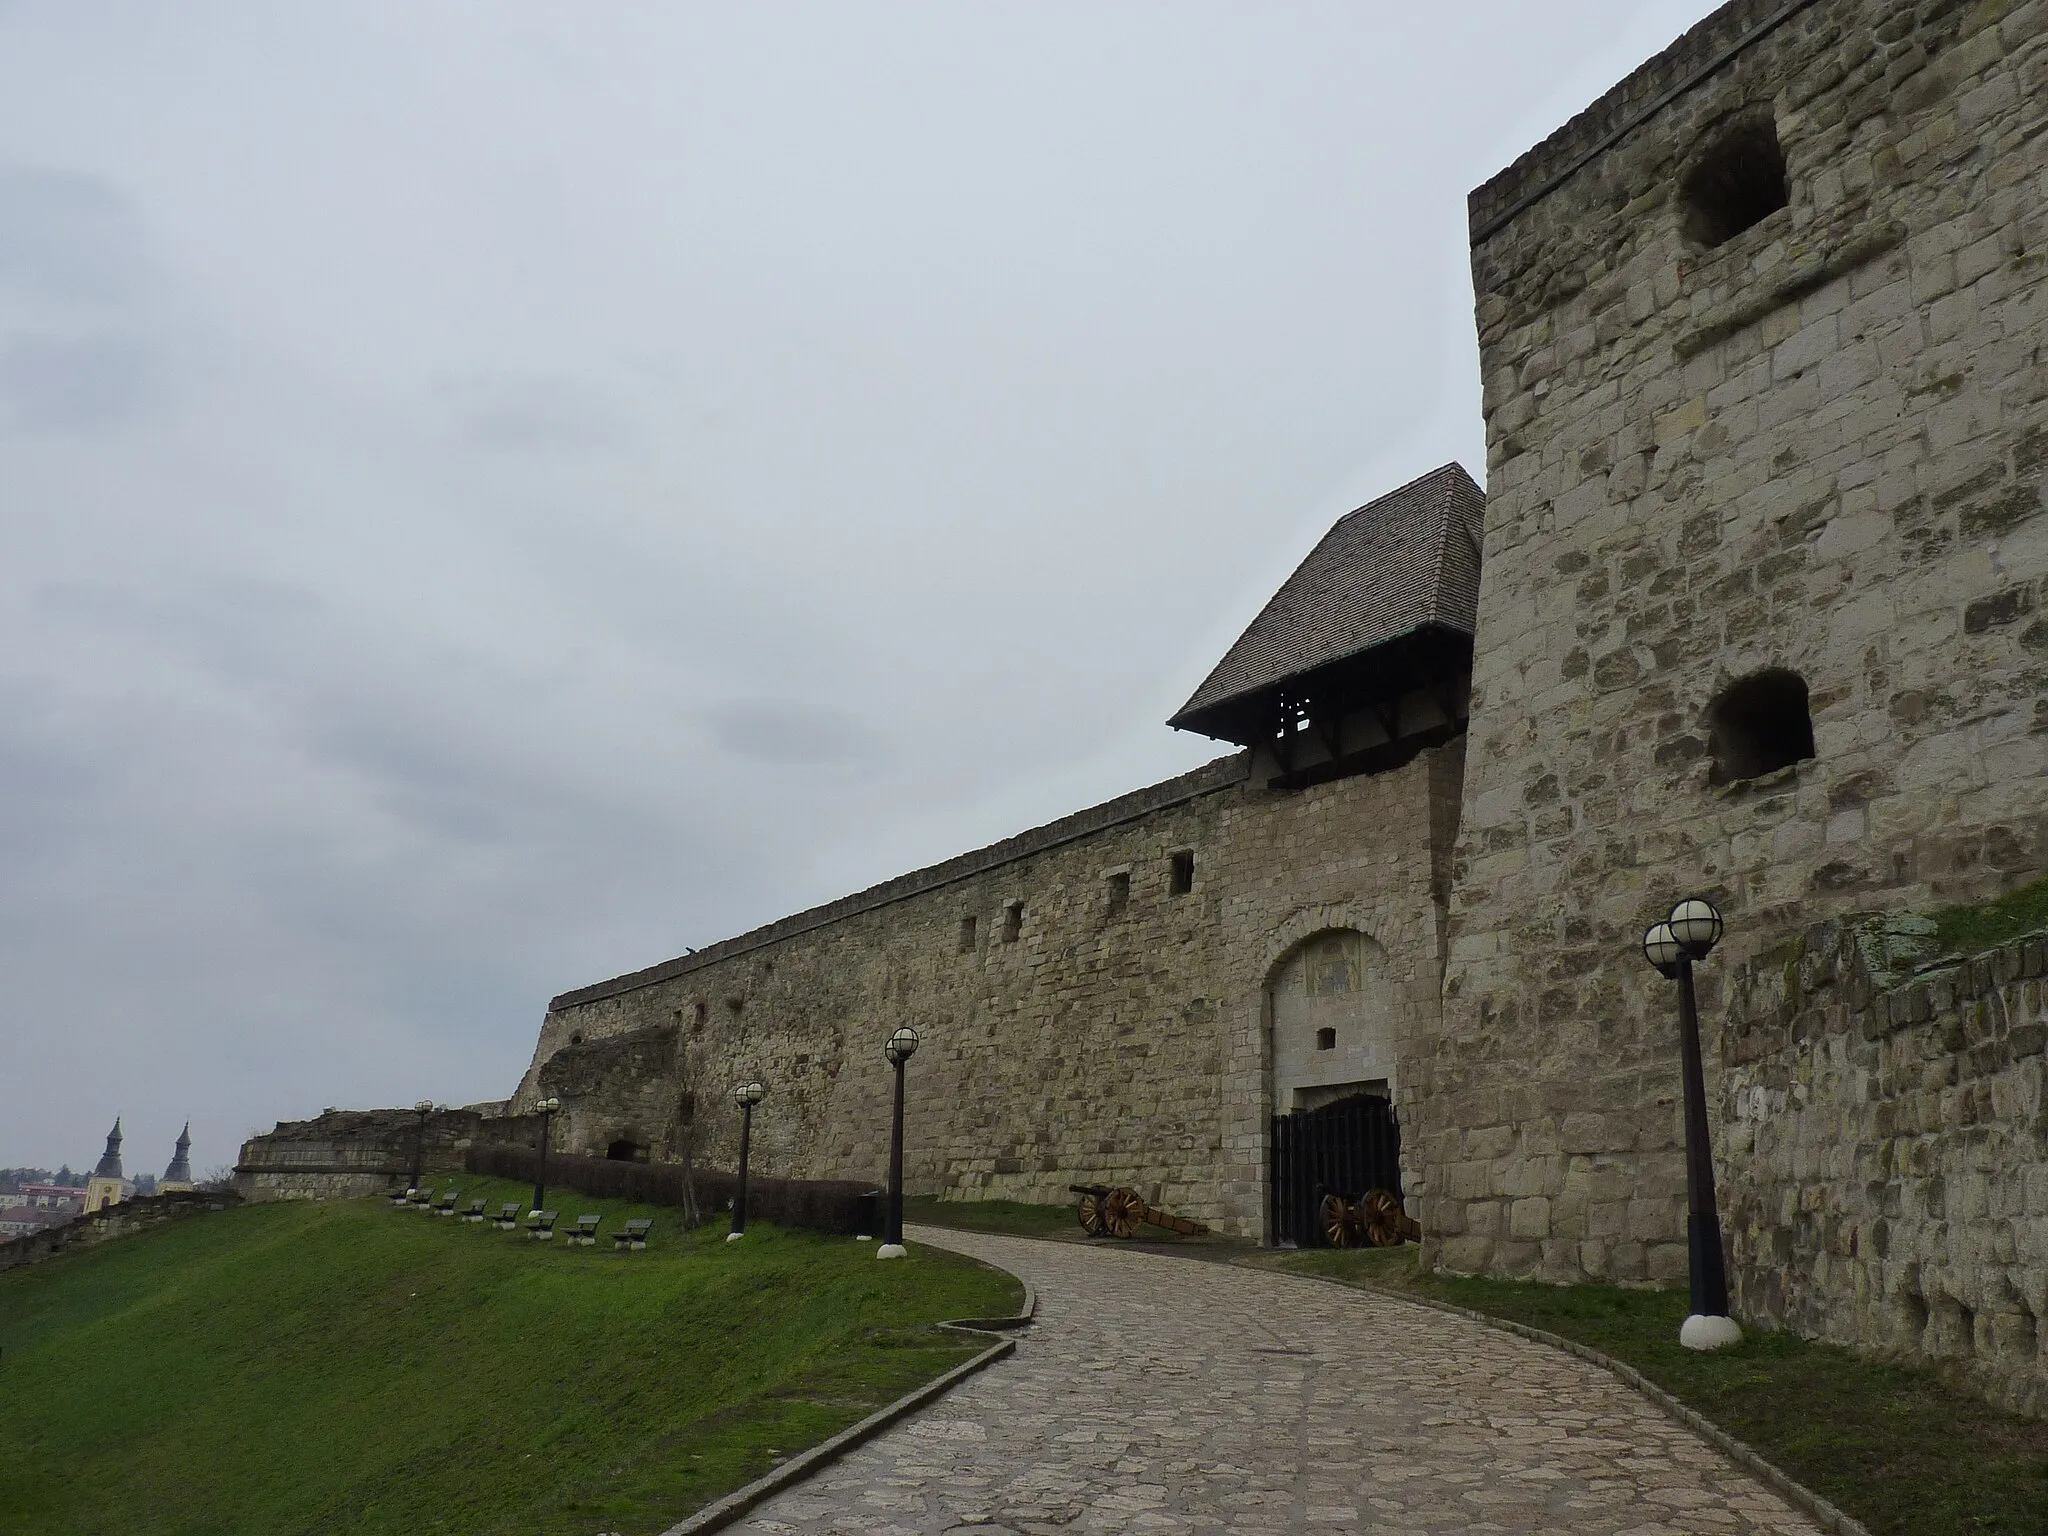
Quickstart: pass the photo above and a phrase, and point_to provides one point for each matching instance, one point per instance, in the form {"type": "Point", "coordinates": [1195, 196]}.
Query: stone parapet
{"type": "Point", "coordinates": [344, 1154]}
{"type": "Point", "coordinates": [1884, 1151]}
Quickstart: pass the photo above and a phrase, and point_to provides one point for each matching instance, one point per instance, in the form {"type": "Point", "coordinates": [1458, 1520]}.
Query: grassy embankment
{"type": "Point", "coordinates": [346, 1367]}
{"type": "Point", "coordinates": [1891, 1445]}
{"type": "Point", "coordinates": [1010, 1218]}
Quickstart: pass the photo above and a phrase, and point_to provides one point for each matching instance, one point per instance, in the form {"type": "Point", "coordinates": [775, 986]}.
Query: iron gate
{"type": "Point", "coordinates": [1347, 1148]}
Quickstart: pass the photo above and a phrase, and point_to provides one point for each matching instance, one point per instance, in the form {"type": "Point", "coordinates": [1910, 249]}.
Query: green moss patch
{"type": "Point", "coordinates": [1972, 930]}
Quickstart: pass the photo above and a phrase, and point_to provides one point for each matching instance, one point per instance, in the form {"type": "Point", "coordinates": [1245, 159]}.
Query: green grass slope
{"type": "Point", "coordinates": [346, 1367]}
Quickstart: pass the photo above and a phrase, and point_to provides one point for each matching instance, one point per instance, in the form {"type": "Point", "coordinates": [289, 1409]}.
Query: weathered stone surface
{"type": "Point", "coordinates": [345, 1154]}
{"type": "Point", "coordinates": [1832, 430]}
{"type": "Point", "coordinates": [1083, 1029]}
{"type": "Point", "coordinates": [1884, 1153]}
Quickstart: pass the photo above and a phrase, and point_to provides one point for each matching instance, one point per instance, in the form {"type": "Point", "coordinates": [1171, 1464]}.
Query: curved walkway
{"type": "Point", "coordinates": [1161, 1394]}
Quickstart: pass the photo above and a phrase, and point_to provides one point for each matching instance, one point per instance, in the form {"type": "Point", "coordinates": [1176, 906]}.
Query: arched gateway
{"type": "Point", "coordinates": [1330, 1009]}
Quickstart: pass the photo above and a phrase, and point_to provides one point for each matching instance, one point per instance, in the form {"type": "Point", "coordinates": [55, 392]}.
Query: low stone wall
{"type": "Point", "coordinates": [1885, 1150]}
{"type": "Point", "coordinates": [110, 1222]}
{"type": "Point", "coordinates": [346, 1154]}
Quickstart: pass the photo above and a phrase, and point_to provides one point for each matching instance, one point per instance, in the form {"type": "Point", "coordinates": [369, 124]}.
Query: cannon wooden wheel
{"type": "Point", "coordinates": [1386, 1224]}
{"type": "Point", "coordinates": [1119, 1212]}
{"type": "Point", "coordinates": [1122, 1210]}
{"type": "Point", "coordinates": [1091, 1216]}
{"type": "Point", "coordinates": [1338, 1219]}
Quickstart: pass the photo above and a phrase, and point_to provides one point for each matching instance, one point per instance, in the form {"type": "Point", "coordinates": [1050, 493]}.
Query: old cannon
{"type": "Point", "coordinates": [1374, 1220]}
{"type": "Point", "coordinates": [1108, 1211]}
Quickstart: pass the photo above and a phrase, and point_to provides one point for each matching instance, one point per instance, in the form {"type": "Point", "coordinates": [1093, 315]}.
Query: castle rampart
{"type": "Point", "coordinates": [1083, 1020]}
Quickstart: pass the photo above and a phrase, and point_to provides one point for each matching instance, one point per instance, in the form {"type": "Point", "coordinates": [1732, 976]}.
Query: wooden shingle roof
{"type": "Point", "coordinates": [1405, 563]}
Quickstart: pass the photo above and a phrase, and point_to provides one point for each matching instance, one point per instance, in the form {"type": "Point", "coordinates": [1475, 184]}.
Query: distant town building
{"type": "Point", "coordinates": [107, 1186]}
{"type": "Point", "coordinates": [179, 1174]}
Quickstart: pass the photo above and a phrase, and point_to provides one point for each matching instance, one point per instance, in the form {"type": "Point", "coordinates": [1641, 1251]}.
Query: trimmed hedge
{"type": "Point", "coordinates": [824, 1205]}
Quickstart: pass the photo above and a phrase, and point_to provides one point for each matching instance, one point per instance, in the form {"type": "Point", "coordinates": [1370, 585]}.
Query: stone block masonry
{"type": "Point", "coordinates": [1885, 1152]}
{"type": "Point", "coordinates": [1812, 448]}
{"type": "Point", "coordinates": [1082, 1019]}
{"type": "Point", "coordinates": [344, 1154]}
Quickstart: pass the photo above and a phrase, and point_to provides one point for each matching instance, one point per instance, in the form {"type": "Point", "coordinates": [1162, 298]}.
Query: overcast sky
{"type": "Point", "coordinates": [492, 494]}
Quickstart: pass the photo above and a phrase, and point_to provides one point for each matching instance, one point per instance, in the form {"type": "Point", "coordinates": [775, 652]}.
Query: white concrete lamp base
{"type": "Point", "coordinates": [733, 1237]}
{"type": "Point", "coordinates": [892, 1251]}
{"type": "Point", "coordinates": [1699, 1332]}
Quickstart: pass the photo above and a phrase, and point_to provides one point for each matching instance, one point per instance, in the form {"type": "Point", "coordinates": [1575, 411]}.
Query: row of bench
{"type": "Point", "coordinates": [540, 1225]}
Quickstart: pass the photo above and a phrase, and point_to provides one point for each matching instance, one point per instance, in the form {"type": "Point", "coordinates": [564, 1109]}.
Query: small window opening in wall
{"type": "Point", "coordinates": [1119, 890]}
{"type": "Point", "coordinates": [576, 1038]}
{"type": "Point", "coordinates": [1759, 725]}
{"type": "Point", "coordinates": [702, 1011]}
{"type": "Point", "coordinates": [966, 935]}
{"type": "Point", "coordinates": [1181, 877]}
{"type": "Point", "coordinates": [1013, 922]}
{"type": "Point", "coordinates": [1326, 1039]}
{"type": "Point", "coordinates": [1737, 183]}
{"type": "Point", "coordinates": [733, 1005]}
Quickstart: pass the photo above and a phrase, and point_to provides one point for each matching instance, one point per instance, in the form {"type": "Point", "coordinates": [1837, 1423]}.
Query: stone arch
{"type": "Point", "coordinates": [1329, 1006]}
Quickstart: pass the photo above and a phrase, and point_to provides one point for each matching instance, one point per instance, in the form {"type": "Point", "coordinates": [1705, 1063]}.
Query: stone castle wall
{"type": "Point", "coordinates": [345, 1154]}
{"type": "Point", "coordinates": [1817, 447]}
{"type": "Point", "coordinates": [1080, 1021]}
{"type": "Point", "coordinates": [1884, 1151]}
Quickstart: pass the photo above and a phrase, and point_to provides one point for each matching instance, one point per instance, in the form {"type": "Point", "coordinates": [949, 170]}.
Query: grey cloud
{"type": "Point", "coordinates": [237, 628]}
{"type": "Point", "coordinates": [80, 386]}
{"type": "Point", "coordinates": [532, 415]}
{"type": "Point", "coordinates": [788, 735]}
{"type": "Point", "coordinates": [70, 237]}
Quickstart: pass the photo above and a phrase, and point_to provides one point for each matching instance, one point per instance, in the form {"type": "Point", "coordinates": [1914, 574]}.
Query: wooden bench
{"type": "Point", "coordinates": [401, 1198]}
{"type": "Point", "coordinates": [507, 1217]}
{"type": "Point", "coordinates": [585, 1231]}
{"type": "Point", "coordinates": [445, 1206]}
{"type": "Point", "coordinates": [541, 1225]}
{"type": "Point", "coordinates": [422, 1197]}
{"type": "Point", "coordinates": [475, 1211]}
{"type": "Point", "coordinates": [634, 1235]}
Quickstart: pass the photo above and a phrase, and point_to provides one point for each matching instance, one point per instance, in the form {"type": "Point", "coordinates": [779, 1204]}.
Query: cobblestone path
{"type": "Point", "coordinates": [1163, 1394]}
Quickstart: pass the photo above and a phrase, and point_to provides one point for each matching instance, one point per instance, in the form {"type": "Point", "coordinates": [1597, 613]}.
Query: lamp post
{"type": "Point", "coordinates": [1672, 946]}
{"type": "Point", "coordinates": [747, 1095]}
{"type": "Point", "coordinates": [547, 1108]}
{"type": "Point", "coordinates": [902, 1046]}
{"type": "Point", "coordinates": [424, 1108]}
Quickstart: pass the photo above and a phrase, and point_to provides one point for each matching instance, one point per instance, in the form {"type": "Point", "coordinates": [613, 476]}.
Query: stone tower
{"type": "Point", "coordinates": [179, 1174]}
{"type": "Point", "coordinates": [107, 1186]}
{"type": "Point", "coordinates": [1764, 341]}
